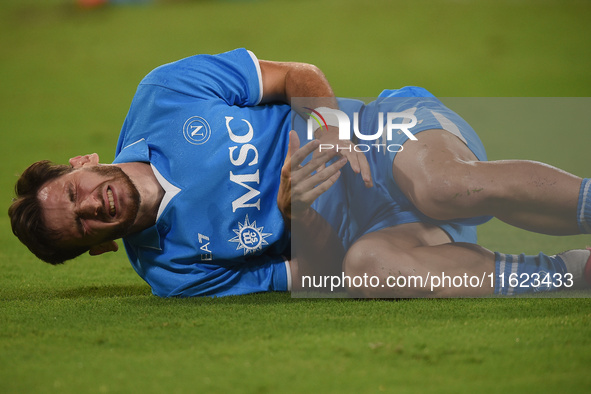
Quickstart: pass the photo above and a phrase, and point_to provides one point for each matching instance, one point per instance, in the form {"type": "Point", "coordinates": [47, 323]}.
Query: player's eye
{"type": "Point", "coordinates": [72, 193]}
{"type": "Point", "coordinates": [72, 196]}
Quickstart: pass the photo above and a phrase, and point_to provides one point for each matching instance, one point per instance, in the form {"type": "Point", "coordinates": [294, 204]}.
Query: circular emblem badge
{"type": "Point", "coordinates": [249, 237]}
{"type": "Point", "coordinates": [196, 130]}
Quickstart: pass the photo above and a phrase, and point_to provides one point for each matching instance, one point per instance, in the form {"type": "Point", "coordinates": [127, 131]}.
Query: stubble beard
{"type": "Point", "coordinates": [134, 198]}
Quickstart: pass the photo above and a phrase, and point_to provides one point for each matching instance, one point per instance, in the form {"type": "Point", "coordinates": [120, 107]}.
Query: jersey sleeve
{"type": "Point", "coordinates": [234, 77]}
{"type": "Point", "coordinates": [185, 279]}
{"type": "Point", "coordinates": [222, 281]}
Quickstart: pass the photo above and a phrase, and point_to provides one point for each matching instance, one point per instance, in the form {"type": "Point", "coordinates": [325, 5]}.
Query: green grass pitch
{"type": "Point", "coordinates": [67, 77]}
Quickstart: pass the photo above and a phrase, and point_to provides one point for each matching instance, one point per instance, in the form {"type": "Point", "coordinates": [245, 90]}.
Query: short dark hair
{"type": "Point", "coordinates": [26, 214]}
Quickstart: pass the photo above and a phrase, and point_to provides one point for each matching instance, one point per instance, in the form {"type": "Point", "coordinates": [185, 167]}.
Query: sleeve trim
{"type": "Point", "coordinates": [255, 60]}
{"type": "Point", "coordinates": [288, 273]}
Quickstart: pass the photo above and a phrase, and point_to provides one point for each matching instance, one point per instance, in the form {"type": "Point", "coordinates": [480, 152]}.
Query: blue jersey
{"type": "Point", "coordinates": [218, 155]}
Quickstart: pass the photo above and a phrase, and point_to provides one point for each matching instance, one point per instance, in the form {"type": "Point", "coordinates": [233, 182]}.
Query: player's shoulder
{"type": "Point", "coordinates": [198, 63]}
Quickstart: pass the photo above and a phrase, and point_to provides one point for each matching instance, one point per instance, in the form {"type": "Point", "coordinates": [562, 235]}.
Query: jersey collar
{"type": "Point", "coordinates": [136, 151]}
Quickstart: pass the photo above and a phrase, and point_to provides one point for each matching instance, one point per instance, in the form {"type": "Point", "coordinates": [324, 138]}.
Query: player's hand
{"type": "Point", "coordinates": [357, 160]}
{"type": "Point", "coordinates": [301, 185]}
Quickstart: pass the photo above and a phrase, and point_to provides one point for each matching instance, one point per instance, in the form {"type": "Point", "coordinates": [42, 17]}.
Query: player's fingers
{"type": "Point", "coordinates": [327, 182]}
{"type": "Point", "coordinates": [286, 168]}
{"type": "Point", "coordinates": [365, 170]}
{"type": "Point", "coordinates": [317, 163]}
{"type": "Point", "coordinates": [292, 147]}
{"type": "Point", "coordinates": [294, 142]}
{"type": "Point", "coordinates": [353, 161]}
{"type": "Point", "coordinates": [300, 154]}
{"type": "Point", "coordinates": [360, 165]}
{"type": "Point", "coordinates": [316, 155]}
{"type": "Point", "coordinates": [305, 188]}
{"type": "Point", "coordinates": [320, 159]}
{"type": "Point", "coordinates": [291, 165]}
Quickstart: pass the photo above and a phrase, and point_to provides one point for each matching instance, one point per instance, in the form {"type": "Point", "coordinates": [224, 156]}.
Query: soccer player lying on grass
{"type": "Point", "coordinates": [206, 193]}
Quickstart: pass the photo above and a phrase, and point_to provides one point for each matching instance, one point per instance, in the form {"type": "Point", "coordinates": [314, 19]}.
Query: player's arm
{"type": "Point", "coordinates": [283, 81]}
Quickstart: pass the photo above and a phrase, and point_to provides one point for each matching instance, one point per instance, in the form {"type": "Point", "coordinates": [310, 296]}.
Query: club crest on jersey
{"type": "Point", "coordinates": [249, 237]}
{"type": "Point", "coordinates": [196, 130]}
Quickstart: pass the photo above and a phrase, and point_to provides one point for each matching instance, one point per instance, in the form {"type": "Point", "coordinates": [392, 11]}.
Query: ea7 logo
{"type": "Point", "coordinates": [204, 247]}
{"type": "Point", "coordinates": [333, 117]}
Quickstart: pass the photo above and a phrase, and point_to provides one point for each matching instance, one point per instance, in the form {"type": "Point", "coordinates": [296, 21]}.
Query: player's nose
{"type": "Point", "coordinates": [89, 207]}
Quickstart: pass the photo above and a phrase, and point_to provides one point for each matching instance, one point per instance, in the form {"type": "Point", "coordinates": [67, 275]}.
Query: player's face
{"type": "Point", "coordinates": [90, 205]}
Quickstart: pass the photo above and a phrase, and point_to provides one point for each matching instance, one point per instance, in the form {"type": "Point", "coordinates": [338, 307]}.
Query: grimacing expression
{"type": "Point", "coordinates": [90, 205]}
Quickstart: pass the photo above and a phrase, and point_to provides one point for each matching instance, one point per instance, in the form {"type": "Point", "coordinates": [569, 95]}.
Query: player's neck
{"type": "Point", "coordinates": [151, 193]}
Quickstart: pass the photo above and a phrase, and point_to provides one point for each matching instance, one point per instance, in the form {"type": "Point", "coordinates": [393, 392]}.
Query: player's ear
{"type": "Point", "coordinates": [108, 246]}
{"type": "Point", "coordinates": [83, 161]}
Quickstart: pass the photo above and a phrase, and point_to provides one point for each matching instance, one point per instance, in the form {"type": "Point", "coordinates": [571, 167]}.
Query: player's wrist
{"type": "Point", "coordinates": [328, 134]}
{"type": "Point", "coordinates": [303, 216]}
